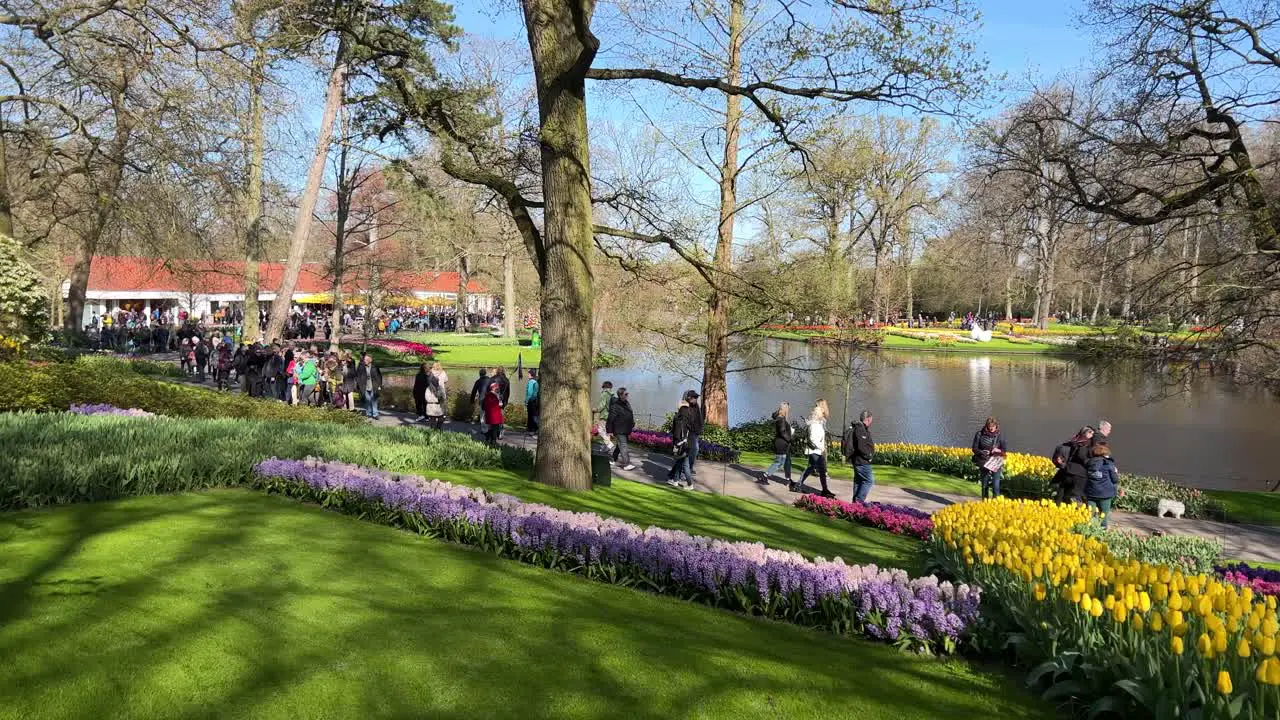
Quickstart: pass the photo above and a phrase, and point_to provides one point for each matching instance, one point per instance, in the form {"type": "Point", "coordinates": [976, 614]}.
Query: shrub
{"type": "Point", "coordinates": [922, 614]}
{"type": "Point", "coordinates": [55, 458]}
{"type": "Point", "coordinates": [461, 408]}
{"type": "Point", "coordinates": [1192, 554]}
{"type": "Point", "coordinates": [103, 380]}
{"type": "Point", "coordinates": [24, 309]}
{"type": "Point", "coordinates": [515, 415]}
{"type": "Point", "coordinates": [1139, 493]}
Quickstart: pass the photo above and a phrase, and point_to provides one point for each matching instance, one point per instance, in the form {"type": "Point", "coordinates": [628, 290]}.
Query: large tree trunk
{"type": "Point", "coordinates": [345, 191]}
{"type": "Point", "coordinates": [253, 200]}
{"type": "Point", "coordinates": [460, 324]}
{"type": "Point", "coordinates": [508, 294]}
{"type": "Point", "coordinates": [836, 297]}
{"type": "Point", "coordinates": [107, 198]}
{"type": "Point", "coordinates": [1102, 280]}
{"type": "Point", "coordinates": [1008, 297]}
{"type": "Point", "coordinates": [306, 208]}
{"type": "Point", "coordinates": [563, 48]}
{"type": "Point", "coordinates": [715, 365]}
{"type": "Point", "coordinates": [1126, 309]}
{"type": "Point", "coordinates": [878, 310]}
{"type": "Point", "coordinates": [6, 204]}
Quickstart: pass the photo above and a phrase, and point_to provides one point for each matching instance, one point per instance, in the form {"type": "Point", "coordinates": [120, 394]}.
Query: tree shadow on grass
{"type": "Point", "coordinates": [233, 604]}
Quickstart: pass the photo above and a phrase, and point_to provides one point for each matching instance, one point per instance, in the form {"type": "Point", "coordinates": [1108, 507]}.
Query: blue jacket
{"type": "Point", "coordinates": [1103, 478]}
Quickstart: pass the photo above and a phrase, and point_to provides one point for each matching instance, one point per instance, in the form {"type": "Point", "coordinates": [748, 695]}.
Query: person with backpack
{"type": "Point", "coordinates": [620, 424]}
{"type": "Point", "coordinates": [782, 433]}
{"type": "Point", "coordinates": [478, 391]}
{"type": "Point", "coordinates": [816, 449]}
{"type": "Point", "coordinates": [859, 449]}
{"type": "Point", "coordinates": [1103, 480]}
{"type": "Point", "coordinates": [601, 414]}
{"type": "Point", "coordinates": [1070, 458]}
{"type": "Point", "coordinates": [988, 443]}
{"type": "Point", "coordinates": [681, 436]}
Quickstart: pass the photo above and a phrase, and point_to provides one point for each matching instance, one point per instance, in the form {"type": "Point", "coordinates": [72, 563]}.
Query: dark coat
{"type": "Point", "coordinates": [365, 372]}
{"type": "Point", "coordinates": [1073, 475]}
{"type": "Point", "coordinates": [782, 433]}
{"type": "Point", "coordinates": [682, 425]}
{"type": "Point", "coordinates": [1103, 478]}
{"type": "Point", "coordinates": [859, 449]}
{"type": "Point", "coordinates": [420, 382]}
{"type": "Point", "coordinates": [621, 419]}
{"type": "Point", "coordinates": [985, 444]}
{"type": "Point", "coordinates": [695, 420]}
{"type": "Point", "coordinates": [480, 389]}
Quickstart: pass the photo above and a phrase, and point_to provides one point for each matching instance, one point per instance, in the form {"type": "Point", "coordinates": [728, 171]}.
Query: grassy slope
{"type": "Point", "coordinates": [1258, 508]}
{"type": "Point", "coordinates": [888, 475]}
{"type": "Point", "coordinates": [244, 605]}
{"type": "Point", "coordinates": [477, 355]}
{"type": "Point", "coordinates": [779, 526]}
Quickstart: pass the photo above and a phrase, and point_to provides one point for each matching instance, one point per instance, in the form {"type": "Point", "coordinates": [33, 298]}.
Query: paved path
{"type": "Point", "coordinates": [1240, 542]}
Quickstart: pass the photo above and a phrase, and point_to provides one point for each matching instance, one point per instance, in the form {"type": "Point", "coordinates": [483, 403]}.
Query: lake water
{"type": "Point", "coordinates": [1210, 434]}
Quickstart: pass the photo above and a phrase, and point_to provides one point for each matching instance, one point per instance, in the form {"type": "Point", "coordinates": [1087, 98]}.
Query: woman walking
{"type": "Point", "coordinates": [1100, 487]}
{"type": "Point", "coordinates": [491, 406]}
{"type": "Point", "coordinates": [1074, 474]}
{"type": "Point", "coordinates": [816, 449]}
{"type": "Point", "coordinates": [782, 433]}
{"type": "Point", "coordinates": [437, 395]}
{"type": "Point", "coordinates": [988, 454]}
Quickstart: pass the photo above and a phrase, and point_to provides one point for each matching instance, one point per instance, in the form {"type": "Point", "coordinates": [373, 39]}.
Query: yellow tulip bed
{"type": "Point", "coordinates": [1110, 637]}
{"type": "Point", "coordinates": [1025, 475]}
{"type": "Point", "coordinates": [1031, 476]}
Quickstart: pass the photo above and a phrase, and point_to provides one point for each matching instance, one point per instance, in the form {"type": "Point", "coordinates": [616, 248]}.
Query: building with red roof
{"type": "Point", "coordinates": [202, 287]}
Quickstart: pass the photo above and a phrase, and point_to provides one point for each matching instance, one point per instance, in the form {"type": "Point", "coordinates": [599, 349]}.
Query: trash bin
{"type": "Point", "coordinates": [601, 474]}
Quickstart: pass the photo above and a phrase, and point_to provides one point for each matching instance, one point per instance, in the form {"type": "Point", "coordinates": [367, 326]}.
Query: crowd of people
{"type": "Point", "coordinates": [856, 445]}
{"type": "Point", "coordinates": [297, 374]}
{"type": "Point", "coordinates": [1086, 472]}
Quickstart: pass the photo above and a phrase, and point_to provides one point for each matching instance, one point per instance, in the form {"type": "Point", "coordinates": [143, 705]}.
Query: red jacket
{"type": "Point", "coordinates": [492, 407]}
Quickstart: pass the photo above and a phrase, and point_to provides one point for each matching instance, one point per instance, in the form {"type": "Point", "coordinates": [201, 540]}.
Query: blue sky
{"type": "Point", "coordinates": [1018, 36]}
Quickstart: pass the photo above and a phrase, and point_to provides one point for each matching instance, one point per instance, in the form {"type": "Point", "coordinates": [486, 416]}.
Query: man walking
{"type": "Point", "coordinates": [369, 383]}
{"type": "Point", "coordinates": [859, 449]}
{"type": "Point", "coordinates": [620, 423]}
{"type": "Point", "coordinates": [682, 441]}
{"type": "Point", "coordinates": [601, 414]}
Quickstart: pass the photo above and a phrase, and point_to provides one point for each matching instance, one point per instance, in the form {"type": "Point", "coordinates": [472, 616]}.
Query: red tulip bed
{"type": "Point", "coordinates": [895, 519]}
{"type": "Point", "coordinates": [403, 347]}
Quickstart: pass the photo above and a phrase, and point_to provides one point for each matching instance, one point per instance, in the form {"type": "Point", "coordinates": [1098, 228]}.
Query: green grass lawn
{"type": "Point", "coordinates": [230, 604]}
{"type": "Point", "coordinates": [898, 342]}
{"type": "Point", "coordinates": [455, 339]}
{"type": "Point", "coordinates": [1256, 508]}
{"type": "Point", "coordinates": [885, 474]}
{"type": "Point", "coordinates": [486, 355]}
{"type": "Point", "coordinates": [731, 518]}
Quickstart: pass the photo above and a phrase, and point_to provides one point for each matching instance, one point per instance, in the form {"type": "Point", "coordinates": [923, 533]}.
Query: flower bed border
{"type": "Point", "coordinates": [921, 614]}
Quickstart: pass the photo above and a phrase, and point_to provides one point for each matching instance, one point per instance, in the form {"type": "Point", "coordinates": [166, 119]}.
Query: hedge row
{"type": "Point", "coordinates": [55, 458]}
{"type": "Point", "coordinates": [95, 380]}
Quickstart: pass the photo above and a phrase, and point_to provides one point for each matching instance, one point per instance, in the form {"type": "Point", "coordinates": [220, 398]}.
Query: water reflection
{"type": "Point", "coordinates": [1212, 434]}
